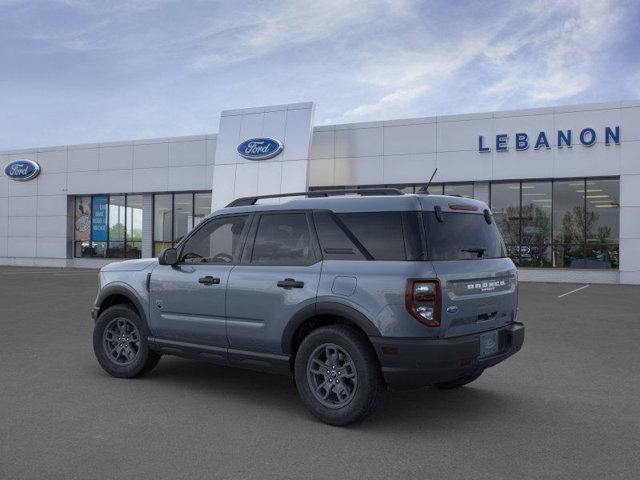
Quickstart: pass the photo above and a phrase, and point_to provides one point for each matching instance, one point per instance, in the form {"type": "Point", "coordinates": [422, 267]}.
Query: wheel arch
{"type": "Point", "coordinates": [118, 294]}
{"type": "Point", "coordinates": [320, 314]}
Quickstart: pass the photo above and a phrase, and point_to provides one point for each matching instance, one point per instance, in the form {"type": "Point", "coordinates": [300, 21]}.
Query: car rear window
{"type": "Point", "coordinates": [462, 236]}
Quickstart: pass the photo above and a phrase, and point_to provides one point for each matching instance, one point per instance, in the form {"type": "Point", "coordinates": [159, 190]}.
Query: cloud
{"type": "Point", "coordinates": [541, 53]}
{"type": "Point", "coordinates": [555, 63]}
{"type": "Point", "coordinates": [101, 70]}
{"type": "Point", "coordinates": [287, 25]}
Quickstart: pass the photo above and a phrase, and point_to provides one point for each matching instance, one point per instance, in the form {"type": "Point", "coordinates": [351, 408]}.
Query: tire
{"type": "Point", "coordinates": [131, 358]}
{"type": "Point", "coordinates": [459, 382]}
{"type": "Point", "coordinates": [354, 390]}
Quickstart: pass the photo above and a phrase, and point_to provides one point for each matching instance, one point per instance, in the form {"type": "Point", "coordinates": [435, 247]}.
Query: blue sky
{"type": "Point", "coordinates": [78, 71]}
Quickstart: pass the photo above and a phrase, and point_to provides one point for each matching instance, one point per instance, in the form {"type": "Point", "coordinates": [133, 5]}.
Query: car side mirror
{"type": "Point", "coordinates": [169, 256]}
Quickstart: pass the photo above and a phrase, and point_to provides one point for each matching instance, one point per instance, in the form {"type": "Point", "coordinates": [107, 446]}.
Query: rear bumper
{"type": "Point", "coordinates": [408, 363]}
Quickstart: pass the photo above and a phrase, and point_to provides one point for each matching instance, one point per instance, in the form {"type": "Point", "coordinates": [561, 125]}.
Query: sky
{"type": "Point", "coordinates": [80, 71]}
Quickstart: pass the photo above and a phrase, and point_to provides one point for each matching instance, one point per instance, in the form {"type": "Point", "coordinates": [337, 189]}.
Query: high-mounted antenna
{"type": "Point", "coordinates": [430, 180]}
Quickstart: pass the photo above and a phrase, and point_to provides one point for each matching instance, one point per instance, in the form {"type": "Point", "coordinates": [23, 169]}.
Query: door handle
{"type": "Point", "coordinates": [209, 280]}
{"type": "Point", "coordinates": [289, 283]}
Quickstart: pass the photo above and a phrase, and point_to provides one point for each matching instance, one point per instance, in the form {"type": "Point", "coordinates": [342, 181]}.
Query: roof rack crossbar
{"type": "Point", "coordinates": [246, 201]}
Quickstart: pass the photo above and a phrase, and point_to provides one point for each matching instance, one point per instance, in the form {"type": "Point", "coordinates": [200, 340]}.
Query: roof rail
{"type": "Point", "coordinates": [246, 201]}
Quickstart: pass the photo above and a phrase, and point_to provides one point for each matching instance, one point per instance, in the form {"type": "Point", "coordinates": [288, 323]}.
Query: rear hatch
{"type": "Point", "coordinates": [477, 280]}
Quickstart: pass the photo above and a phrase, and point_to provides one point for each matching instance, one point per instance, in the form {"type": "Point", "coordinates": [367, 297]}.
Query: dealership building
{"type": "Point", "coordinates": [563, 182]}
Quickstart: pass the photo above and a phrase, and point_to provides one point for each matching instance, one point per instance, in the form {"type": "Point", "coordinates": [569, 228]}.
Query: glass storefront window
{"type": "Point", "coordinates": [560, 223]}
{"type": "Point", "coordinates": [117, 220]}
{"type": "Point", "coordinates": [134, 226]}
{"type": "Point", "coordinates": [603, 210]}
{"type": "Point", "coordinates": [82, 226]}
{"type": "Point", "coordinates": [108, 226]}
{"type": "Point", "coordinates": [535, 243]}
{"type": "Point", "coordinates": [201, 206]}
{"type": "Point", "coordinates": [569, 223]}
{"type": "Point", "coordinates": [162, 222]}
{"type": "Point", "coordinates": [175, 215]}
{"type": "Point", "coordinates": [182, 215]}
{"type": "Point", "coordinates": [462, 189]}
{"type": "Point", "coordinates": [603, 223]}
{"type": "Point", "coordinates": [434, 188]}
{"type": "Point", "coordinates": [505, 205]}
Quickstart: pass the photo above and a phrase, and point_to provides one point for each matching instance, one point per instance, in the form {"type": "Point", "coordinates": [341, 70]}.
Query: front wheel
{"type": "Point", "coordinates": [120, 343]}
{"type": "Point", "coordinates": [338, 376]}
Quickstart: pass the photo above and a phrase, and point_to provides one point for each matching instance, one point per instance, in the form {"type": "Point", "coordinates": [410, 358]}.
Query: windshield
{"type": "Point", "coordinates": [462, 236]}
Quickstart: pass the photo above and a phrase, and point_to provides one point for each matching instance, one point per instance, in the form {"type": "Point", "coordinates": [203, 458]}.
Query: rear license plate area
{"type": "Point", "coordinates": [489, 344]}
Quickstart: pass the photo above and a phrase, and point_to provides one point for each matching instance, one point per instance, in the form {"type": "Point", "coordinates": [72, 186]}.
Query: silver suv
{"type": "Point", "coordinates": [348, 294]}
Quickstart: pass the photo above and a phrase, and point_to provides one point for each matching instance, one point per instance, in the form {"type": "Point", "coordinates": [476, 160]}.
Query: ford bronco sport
{"type": "Point", "coordinates": [348, 294]}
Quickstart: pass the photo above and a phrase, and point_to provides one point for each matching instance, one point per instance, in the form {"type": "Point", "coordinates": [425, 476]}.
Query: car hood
{"type": "Point", "coordinates": [130, 265]}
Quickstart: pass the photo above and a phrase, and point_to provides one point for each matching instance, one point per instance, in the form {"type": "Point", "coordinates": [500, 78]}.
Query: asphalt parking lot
{"type": "Point", "coordinates": [567, 406]}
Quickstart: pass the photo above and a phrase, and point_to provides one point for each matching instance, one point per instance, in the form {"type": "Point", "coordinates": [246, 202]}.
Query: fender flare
{"type": "Point", "coordinates": [326, 308]}
{"type": "Point", "coordinates": [125, 291]}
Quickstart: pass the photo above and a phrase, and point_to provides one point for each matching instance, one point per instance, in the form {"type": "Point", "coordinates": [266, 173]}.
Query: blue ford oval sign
{"type": "Point", "coordinates": [260, 148]}
{"type": "Point", "coordinates": [22, 170]}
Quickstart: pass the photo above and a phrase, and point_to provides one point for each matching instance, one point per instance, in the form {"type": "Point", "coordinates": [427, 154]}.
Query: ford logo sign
{"type": "Point", "coordinates": [260, 148]}
{"type": "Point", "coordinates": [22, 170]}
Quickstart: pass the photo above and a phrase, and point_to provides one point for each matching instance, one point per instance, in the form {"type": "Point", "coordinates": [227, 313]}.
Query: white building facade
{"type": "Point", "coordinates": [563, 183]}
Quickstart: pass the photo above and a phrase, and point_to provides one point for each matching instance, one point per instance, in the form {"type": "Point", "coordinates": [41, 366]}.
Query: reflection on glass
{"type": "Point", "coordinates": [568, 212]}
{"type": "Point", "coordinates": [602, 256]}
{"type": "Point", "coordinates": [402, 188]}
{"type": "Point", "coordinates": [505, 205]}
{"type": "Point", "coordinates": [434, 189]}
{"type": "Point", "coordinates": [462, 189]}
{"type": "Point", "coordinates": [602, 223]}
{"type": "Point", "coordinates": [568, 256]}
{"type": "Point", "coordinates": [202, 207]}
{"type": "Point", "coordinates": [535, 249]}
{"type": "Point", "coordinates": [182, 215]}
{"type": "Point", "coordinates": [603, 211]}
{"type": "Point", "coordinates": [162, 218]}
{"type": "Point", "coordinates": [117, 219]}
{"type": "Point", "coordinates": [134, 226]}
{"type": "Point", "coordinates": [565, 224]}
{"type": "Point", "coordinates": [569, 223]}
{"type": "Point", "coordinates": [82, 227]}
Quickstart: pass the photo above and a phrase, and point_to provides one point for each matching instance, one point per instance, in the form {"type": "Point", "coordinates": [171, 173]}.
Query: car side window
{"type": "Point", "coordinates": [283, 239]}
{"type": "Point", "coordinates": [215, 242]}
{"type": "Point", "coordinates": [334, 241]}
{"type": "Point", "coordinates": [381, 233]}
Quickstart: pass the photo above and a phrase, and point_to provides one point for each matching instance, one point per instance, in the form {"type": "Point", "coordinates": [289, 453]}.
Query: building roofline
{"type": "Point", "coordinates": [567, 108]}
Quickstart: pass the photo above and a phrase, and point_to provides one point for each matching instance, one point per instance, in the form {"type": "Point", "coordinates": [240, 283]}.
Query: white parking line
{"type": "Point", "coordinates": [573, 291]}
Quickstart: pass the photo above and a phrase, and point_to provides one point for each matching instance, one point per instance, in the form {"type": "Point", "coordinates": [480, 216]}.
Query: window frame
{"type": "Point", "coordinates": [553, 245]}
{"type": "Point", "coordinates": [174, 244]}
{"type": "Point", "coordinates": [248, 247]}
{"type": "Point", "coordinates": [366, 255]}
{"type": "Point", "coordinates": [125, 240]}
{"type": "Point", "coordinates": [243, 237]}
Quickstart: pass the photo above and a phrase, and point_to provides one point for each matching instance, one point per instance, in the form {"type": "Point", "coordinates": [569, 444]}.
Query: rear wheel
{"type": "Point", "coordinates": [337, 375]}
{"type": "Point", "coordinates": [459, 382]}
{"type": "Point", "coordinates": [120, 343]}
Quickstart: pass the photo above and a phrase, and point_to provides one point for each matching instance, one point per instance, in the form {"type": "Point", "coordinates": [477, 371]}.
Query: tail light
{"type": "Point", "coordinates": [422, 299]}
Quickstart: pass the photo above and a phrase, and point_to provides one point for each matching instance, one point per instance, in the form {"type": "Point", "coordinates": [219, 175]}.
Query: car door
{"type": "Point", "coordinates": [187, 300]}
{"type": "Point", "coordinates": [278, 275]}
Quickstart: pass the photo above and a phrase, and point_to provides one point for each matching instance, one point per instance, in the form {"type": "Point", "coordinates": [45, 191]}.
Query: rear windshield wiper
{"type": "Point", "coordinates": [479, 250]}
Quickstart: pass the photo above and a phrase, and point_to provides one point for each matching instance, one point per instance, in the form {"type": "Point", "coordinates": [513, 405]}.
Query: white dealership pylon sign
{"type": "Point", "coordinates": [284, 129]}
